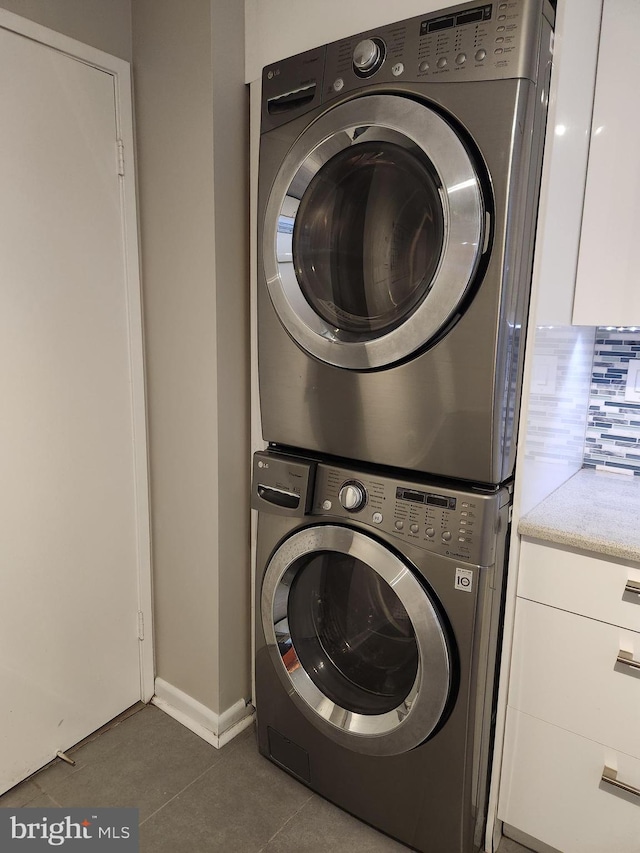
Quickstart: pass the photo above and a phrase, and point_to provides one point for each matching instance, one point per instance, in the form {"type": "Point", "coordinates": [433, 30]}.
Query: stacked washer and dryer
{"type": "Point", "coordinates": [398, 187]}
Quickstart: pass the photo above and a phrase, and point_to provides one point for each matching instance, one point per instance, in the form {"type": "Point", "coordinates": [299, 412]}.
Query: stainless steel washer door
{"type": "Point", "coordinates": [373, 231]}
{"type": "Point", "coordinates": [356, 640]}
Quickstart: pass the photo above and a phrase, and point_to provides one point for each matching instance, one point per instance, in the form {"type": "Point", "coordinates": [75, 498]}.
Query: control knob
{"type": "Point", "coordinates": [353, 496]}
{"type": "Point", "coordinates": [368, 56]}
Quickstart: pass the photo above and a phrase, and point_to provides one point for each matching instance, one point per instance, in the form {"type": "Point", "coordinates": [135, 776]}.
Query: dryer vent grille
{"type": "Point", "coordinates": [289, 755]}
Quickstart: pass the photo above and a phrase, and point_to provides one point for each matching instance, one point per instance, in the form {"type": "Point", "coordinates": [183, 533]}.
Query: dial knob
{"type": "Point", "coordinates": [367, 56]}
{"type": "Point", "coordinates": [353, 496]}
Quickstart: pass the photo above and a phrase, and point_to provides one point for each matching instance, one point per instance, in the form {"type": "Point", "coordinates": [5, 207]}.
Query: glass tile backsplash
{"type": "Point", "coordinates": [613, 428]}
{"type": "Point", "coordinates": [558, 395]}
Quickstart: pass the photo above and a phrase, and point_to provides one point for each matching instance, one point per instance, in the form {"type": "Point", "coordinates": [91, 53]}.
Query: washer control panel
{"type": "Point", "coordinates": [453, 523]}
{"type": "Point", "coordinates": [456, 523]}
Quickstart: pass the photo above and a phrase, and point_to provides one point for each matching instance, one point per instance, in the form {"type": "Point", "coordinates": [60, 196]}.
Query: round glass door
{"type": "Point", "coordinates": [353, 632]}
{"type": "Point", "coordinates": [368, 238]}
{"type": "Point", "coordinates": [373, 232]}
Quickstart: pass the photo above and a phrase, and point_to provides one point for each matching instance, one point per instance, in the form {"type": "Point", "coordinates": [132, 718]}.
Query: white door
{"type": "Point", "coordinates": [74, 568]}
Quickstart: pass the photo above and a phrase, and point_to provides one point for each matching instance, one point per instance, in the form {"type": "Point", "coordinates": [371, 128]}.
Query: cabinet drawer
{"type": "Point", "coordinates": [580, 583]}
{"type": "Point", "coordinates": [564, 671]}
{"type": "Point", "coordinates": [551, 789]}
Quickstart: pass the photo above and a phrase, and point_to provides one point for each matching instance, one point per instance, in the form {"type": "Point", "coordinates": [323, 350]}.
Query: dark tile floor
{"type": "Point", "coordinates": [192, 797]}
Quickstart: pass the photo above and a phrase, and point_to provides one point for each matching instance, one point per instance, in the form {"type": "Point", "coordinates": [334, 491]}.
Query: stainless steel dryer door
{"type": "Point", "coordinates": [356, 640]}
{"type": "Point", "coordinates": [373, 231]}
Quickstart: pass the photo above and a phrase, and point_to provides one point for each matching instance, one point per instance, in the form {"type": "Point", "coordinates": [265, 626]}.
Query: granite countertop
{"type": "Point", "coordinates": [594, 510]}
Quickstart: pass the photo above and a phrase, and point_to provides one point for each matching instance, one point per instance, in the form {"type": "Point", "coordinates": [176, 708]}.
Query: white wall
{"type": "Point", "coordinates": [191, 115]}
{"type": "Point", "coordinates": [105, 24]}
{"type": "Point", "coordinates": [231, 198]}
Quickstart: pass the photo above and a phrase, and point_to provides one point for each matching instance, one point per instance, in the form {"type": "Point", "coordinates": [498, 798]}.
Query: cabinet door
{"type": "Point", "coordinates": [607, 291]}
{"type": "Point", "coordinates": [581, 583]}
{"type": "Point", "coordinates": [565, 158]}
{"type": "Point", "coordinates": [564, 670]}
{"type": "Point", "coordinates": [551, 789]}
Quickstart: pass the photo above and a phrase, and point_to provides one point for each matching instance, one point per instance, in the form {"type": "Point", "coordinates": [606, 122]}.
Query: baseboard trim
{"type": "Point", "coordinates": [527, 841]}
{"type": "Point", "coordinates": [216, 729]}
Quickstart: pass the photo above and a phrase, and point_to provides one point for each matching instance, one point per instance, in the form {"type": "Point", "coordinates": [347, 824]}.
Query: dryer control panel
{"type": "Point", "coordinates": [473, 41]}
{"type": "Point", "coordinates": [468, 42]}
{"type": "Point", "coordinates": [461, 524]}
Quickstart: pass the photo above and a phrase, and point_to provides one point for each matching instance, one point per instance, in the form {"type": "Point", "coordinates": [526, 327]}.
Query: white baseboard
{"type": "Point", "coordinates": [216, 729]}
{"type": "Point", "coordinates": [527, 841]}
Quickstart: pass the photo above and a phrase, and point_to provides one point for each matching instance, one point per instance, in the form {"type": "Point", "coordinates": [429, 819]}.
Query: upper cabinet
{"type": "Point", "coordinates": [607, 287]}
{"type": "Point", "coordinates": [565, 160]}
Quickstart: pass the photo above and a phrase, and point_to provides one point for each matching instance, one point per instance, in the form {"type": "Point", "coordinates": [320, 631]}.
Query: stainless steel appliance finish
{"type": "Point", "coordinates": [377, 619]}
{"type": "Point", "coordinates": [398, 186]}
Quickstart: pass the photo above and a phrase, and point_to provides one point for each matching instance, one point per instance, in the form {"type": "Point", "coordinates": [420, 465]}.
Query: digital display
{"type": "Point", "coordinates": [434, 500]}
{"type": "Point", "coordinates": [415, 497]}
{"type": "Point", "coordinates": [440, 24]}
{"type": "Point", "coordinates": [424, 498]}
{"type": "Point", "coordinates": [482, 13]}
{"type": "Point", "coordinates": [470, 17]}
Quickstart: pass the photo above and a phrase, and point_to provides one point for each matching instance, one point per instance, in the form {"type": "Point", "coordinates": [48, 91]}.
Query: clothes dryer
{"type": "Point", "coordinates": [398, 187]}
{"type": "Point", "coordinates": [378, 610]}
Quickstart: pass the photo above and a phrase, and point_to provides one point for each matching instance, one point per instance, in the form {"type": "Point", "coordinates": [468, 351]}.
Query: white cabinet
{"type": "Point", "coordinates": [574, 703]}
{"type": "Point", "coordinates": [607, 291]}
{"type": "Point", "coordinates": [565, 671]}
{"type": "Point", "coordinates": [553, 792]}
{"type": "Point", "coordinates": [565, 159]}
{"type": "Point", "coordinates": [581, 583]}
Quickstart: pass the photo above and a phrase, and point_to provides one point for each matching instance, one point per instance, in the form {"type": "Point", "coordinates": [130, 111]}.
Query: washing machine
{"type": "Point", "coordinates": [398, 187]}
{"type": "Point", "coordinates": [378, 611]}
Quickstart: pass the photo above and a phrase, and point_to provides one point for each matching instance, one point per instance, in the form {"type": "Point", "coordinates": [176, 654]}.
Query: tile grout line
{"type": "Point", "coordinates": [181, 791]}
{"type": "Point", "coordinates": [287, 821]}
{"type": "Point", "coordinates": [41, 792]}
{"type": "Point", "coordinates": [216, 763]}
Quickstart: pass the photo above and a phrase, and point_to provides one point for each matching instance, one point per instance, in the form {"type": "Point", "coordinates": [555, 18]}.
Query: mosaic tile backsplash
{"type": "Point", "coordinates": [613, 429]}
{"type": "Point", "coordinates": [558, 396]}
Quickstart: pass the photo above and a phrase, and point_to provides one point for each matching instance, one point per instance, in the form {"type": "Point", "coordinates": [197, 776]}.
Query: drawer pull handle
{"type": "Point", "coordinates": [632, 586]}
{"type": "Point", "coordinates": [610, 777]}
{"type": "Point", "coordinates": [627, 659]}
